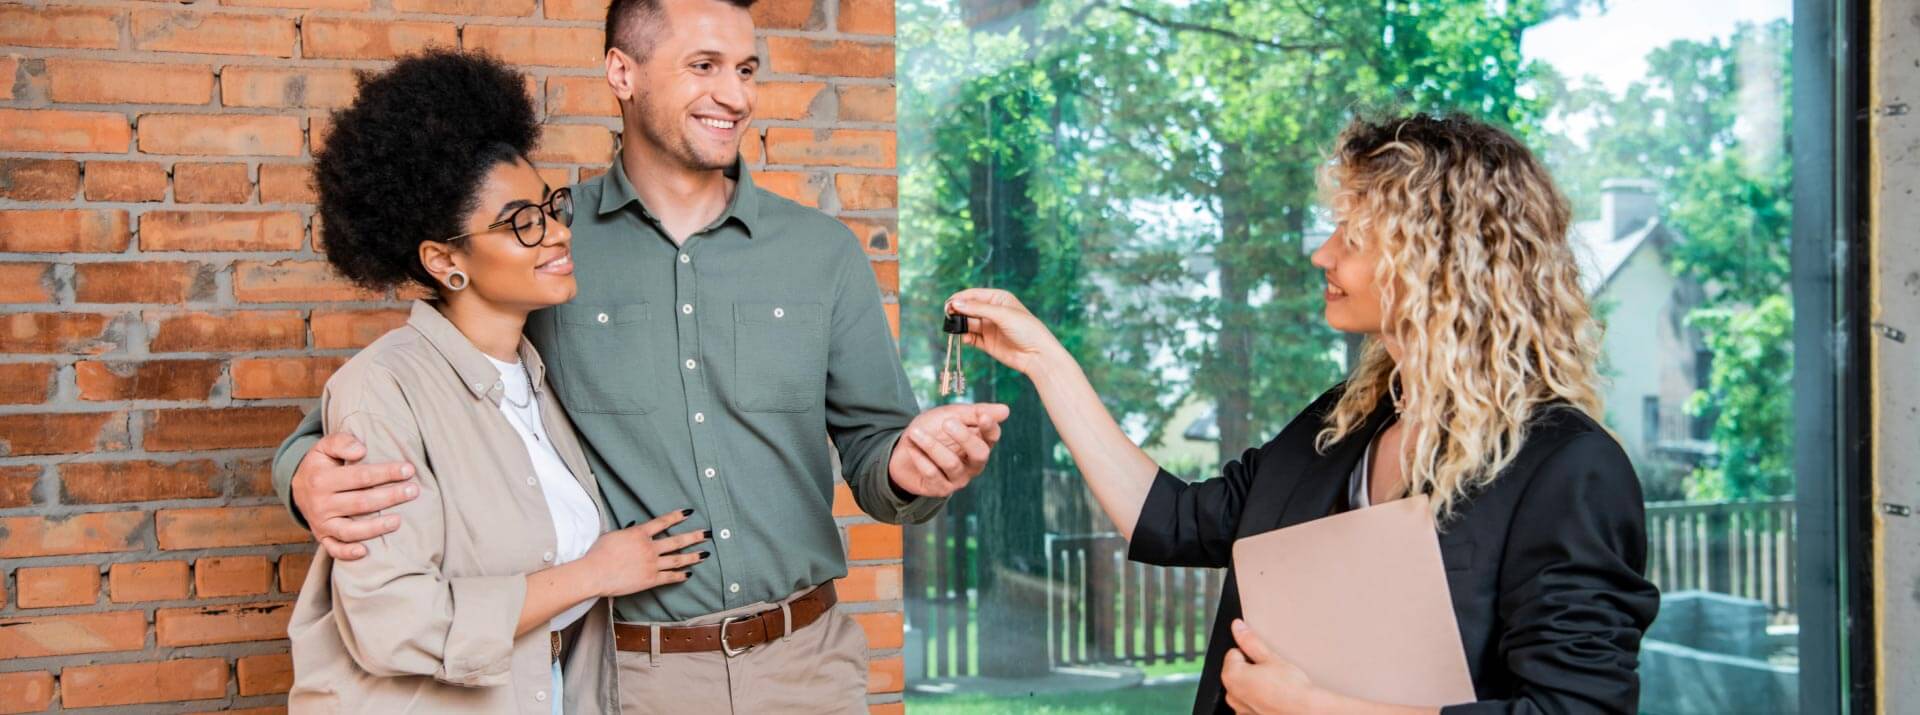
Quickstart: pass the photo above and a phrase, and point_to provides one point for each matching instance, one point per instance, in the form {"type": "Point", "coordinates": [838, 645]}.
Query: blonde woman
{"type": "Point", "coordinates": [1476, 387]}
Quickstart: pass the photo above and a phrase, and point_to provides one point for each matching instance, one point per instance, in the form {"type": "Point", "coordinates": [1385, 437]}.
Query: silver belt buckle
{"type": "Point", "coordinates": [726, 647]}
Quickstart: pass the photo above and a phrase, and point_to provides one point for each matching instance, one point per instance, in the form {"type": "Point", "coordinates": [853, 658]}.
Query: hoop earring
{"type": "Point", "coordinates": [462, 280]}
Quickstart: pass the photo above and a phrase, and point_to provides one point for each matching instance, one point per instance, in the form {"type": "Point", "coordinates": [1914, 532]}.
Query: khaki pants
{"type": "Point", "coordinates": [818, 669]}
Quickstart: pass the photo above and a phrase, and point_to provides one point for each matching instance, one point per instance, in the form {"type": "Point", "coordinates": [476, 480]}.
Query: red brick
{"type": "Point", "coordinates": [149, 380]}
{"type": "Point", "coordinates": [239, 331]}
{"type": "Point", "coordinates": [221, 231]}
{"type": "Point", "coordinates": [147, 581]}
{"type": "Point", "coordinates": [268, 378]}
{"type": "Point", "coordinates": [287, 184]}
{"type": "Point", "coordinates": [866, 103]}
{"type": "Point", "coordinates": [26, 692]}
{"type": "Point", "coordinates": [75, 27]}
{"type": "Point", "coordinates": [845, 147]}
{"type": "Point", "coordinates": [16, 490]}
{"type": "Point", "coordinates": [142, 282]}
{"type": "Point", "coordinates": [220, 527]}
{"type": "Point", "coordinates": [64, 231]}
{"type": "Point", "coordinates": [887, 273]}
{"type": "Point", "coordinates": [545, 46]}
{"type": "Point", "coordinates": [238, 623]}
{"type": "Point", "coordinates": [873, 541]}
{"type": "Point", "coordinates": [25, 383]}
{"type": "Point", "coordinates": [294, 281]}
{"type": "Point", "coordinates": [353, 329]}
{"type": "Point", "coordinates": [221, 134]}
{"type": "Point", "coordinates": [62, 433]}
{"type": "Point", "coordinates": [320, 126]}
{"type": "Point", "coordinates": [753, 149]}
{"type": "Point", "coordinates": [9, 66]}
{"type": "Point", "coordinates": [786, 100]}
{"type": "Point", "coordinates": [39, 179]}
{"type": "Point", "coordinates": [80, 81]}
{"type": "Point", "coordinates": [197, 183]}
{"type": "Point", "coordinates": [866, 17]}
{"type": "Point", "coordinates": [871, 583]}
{"type": "Point", "coordinates": [219, 428]}
{"type": "Point", "coordinates": [866, 192]}
{"type": "Point", "coordinates": [787, 15]}
{"type": "Point", "coordinates": [304, 4]}
{"type": "Point", "coordinates": [125, 181]}
{"type": "Point", "coordinates": [893, 708]}
{"type": "Point", "coordinates": [875, 235]}
{"type": "Point", "coordinates": [211, 33]}
{"type": "Point", "coordinates": [340, 38]}
{"type": "Point", "coordinates": [581, 96]}
{"type": "Point", "coordinates": [287, 87]}
{"type": "Point", "coordinates": [72, 333]}
{"type": "Point", "coordinates": [26, 283]}
{"type": "Point", "coordinates": [251, 478]}
{"type": "Point", "coordinates": [802, 188]}
{"type": "Point", "coordinates": [55, 130]}
{"type": "Point", "coordinates": [76, 534]}
{"type": "Point", "coordinates": [839, 58]}
{"type": "Point", "coordinates": [574, 144]}
{"type": "Point", "coordinates": [501, 8]}
{"type": "Point", "coordinates": [221, 576]}
{"type": "Point", "coordinates": [123, 482]}
{"type": "Point", "coordinates": [886, 675]}
{"type": "Point", "coordinates": [595, 10]}
{"type": "Point", "coordinates": [263, 710]}
{"type": "Point", "coordinates": [41, 636]}
{"type": "Point", "coordinates": [55, 586]}
{"type": "Point", "coordinates": [265, 674]}
{"type": "Point", "coordinates": [883, 628]}
{"type": "Point", "coordinates": [91, 686]}
{"type": "Point", "coordinates": [293, 571]}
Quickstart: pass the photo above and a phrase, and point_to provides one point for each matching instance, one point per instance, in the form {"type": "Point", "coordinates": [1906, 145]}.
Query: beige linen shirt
{"type": "Point", "coordinates": [424, 623]}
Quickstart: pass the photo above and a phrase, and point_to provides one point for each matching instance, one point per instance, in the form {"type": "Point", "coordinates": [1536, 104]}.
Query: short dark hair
{"type": "Point", "coordinates": [404, 163]}
{"type": "Point", "coordinates": [634, 25]}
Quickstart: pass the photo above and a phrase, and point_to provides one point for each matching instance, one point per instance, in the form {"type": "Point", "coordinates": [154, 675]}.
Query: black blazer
{"type": "Point", "coordinates": [1545, 565]}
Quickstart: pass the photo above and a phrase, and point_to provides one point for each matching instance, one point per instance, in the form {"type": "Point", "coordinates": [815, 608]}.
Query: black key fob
{"type": "Point", "coordinates": [956, 324]}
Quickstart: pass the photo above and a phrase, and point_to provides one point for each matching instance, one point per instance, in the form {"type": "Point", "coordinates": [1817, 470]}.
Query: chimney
{"type": "Point", "coordinates": [1626, 205]}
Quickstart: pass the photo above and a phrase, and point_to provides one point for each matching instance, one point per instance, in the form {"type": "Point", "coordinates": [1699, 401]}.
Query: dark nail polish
{"type": "Point", "coordinates": [705, 554]}
{"type": "Point", "coordinates": [686, 512]}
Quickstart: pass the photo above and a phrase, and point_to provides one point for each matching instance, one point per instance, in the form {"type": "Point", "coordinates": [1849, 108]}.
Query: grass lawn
{"type": "Point", "coordinates": [1128, 701]}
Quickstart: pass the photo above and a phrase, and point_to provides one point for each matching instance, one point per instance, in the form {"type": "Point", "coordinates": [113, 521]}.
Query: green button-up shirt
{"type": "Point", "coordinates": [720, 374]}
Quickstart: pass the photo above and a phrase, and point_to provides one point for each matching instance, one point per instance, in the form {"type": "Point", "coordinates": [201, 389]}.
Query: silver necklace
{"type": "Point", "coordinates": [514, 414]}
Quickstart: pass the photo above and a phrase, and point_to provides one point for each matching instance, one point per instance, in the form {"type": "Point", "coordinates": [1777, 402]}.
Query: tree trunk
{"type": "Point", "coordinates": [1232, 362]}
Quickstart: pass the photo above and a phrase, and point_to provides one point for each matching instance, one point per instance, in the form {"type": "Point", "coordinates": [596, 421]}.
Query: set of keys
{"type": "Point", "coordinates": [952, 380]}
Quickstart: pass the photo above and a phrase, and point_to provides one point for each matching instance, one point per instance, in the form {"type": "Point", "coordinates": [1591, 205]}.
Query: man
{"type": "Point", "coordinates": [721, 336]}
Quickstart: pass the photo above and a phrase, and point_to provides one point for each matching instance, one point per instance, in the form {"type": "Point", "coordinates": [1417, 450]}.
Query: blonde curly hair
{"type": "Point", "coordinates": [1479, 287]}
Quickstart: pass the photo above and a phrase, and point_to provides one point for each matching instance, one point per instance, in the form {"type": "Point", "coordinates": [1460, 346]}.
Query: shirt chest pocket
{"type": "Point", "coordinates": [779, 356]}
{"type": "Point", "coordinates": [604, 358]}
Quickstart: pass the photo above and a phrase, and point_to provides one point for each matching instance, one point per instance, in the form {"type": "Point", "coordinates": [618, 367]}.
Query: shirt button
{"type": "Point", "coordinates": [540, 696]}
{"type": "Point", "coordinates": [733, 588]}
{"type": "Point", "coordinates": [700, 417]}
{"type": "Point", "coordinates": [547, 557]}
{"type": "Point", "coordinates": [726, 533]}
{"type": "Point", "coordinates": [687, 309]}
{"type": "Point", "coordinates": [684, 258]}
{"type": "Point", "coordinates": [690, 364]}
{"type": "Point", "coordinates": [709, 472]}
{"type": "Point", "coordinates": [532, 481]}
{"type": "Point", "coordinates": [779, 312]}
{"type": "Point", "coordinates": [601, 317]}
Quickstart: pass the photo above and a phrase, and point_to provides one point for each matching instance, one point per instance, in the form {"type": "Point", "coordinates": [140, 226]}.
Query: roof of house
{"type": "Point", "coordinates": [1602, 256]}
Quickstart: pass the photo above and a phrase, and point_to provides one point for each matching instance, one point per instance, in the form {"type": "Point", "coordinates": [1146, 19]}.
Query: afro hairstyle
{"type": "Point", "coordinates": [405, 162]}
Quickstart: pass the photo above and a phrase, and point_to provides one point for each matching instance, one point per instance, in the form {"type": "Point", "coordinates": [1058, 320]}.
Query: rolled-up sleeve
{"type": "Point", "coordinates": [1574, 599]}
{"type": "Point", "coordinates": [1193, 524]}
{"type": "Point", "coordinates": [397, 612]}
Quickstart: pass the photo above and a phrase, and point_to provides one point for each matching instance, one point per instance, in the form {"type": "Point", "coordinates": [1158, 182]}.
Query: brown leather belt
{"type": "Point", "coordinates": [734, 635]}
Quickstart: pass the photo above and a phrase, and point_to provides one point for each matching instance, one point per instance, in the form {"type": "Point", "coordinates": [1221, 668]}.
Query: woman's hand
{"type": "Point", "coordinates": [631, 560]}
{"type": "Point", "coordinates": [1258, 682]}
{"type": "Point", "coordinates": [1005, 330]}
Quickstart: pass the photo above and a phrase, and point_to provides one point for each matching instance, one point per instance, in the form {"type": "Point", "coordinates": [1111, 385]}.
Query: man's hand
{"type": "Point", "coordinates": [945, 448]}
{"type": "Point", "coordinates": [331, 490]}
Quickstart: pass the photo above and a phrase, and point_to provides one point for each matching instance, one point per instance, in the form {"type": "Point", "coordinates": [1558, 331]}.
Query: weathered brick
{"type": "Point", "coordinates": [886, 675]}
{"type": "Point", "coordinates": [544, 46]}
{"type": "Point", "coordinates": [575, 9]}
{"type": "Point", "coordinates": [786, 100]}
{"type": "Point", "coordinates": [788, 15]}
{"type": "Point", "coordinates": [25, 383]}
{"type": "Point", "coordinates": [123, 482]}
{"type": "Point", "coordinates": [322, 87]}
{"type": "Point", "coordinates": [219, 428]}
{"type": "Point", "coordinates": [342, 38]}
{"type": "Point", "coordinates": [866, 17]}
{"type": "Point", "coordinates": [92, 686]}
{"type": "Point", "coordinates": [238, 331]}
{"type": "Point", "coordinates": [866, 103]}
{"type": "Point", "coordinates": [875, 235]}
{"type": "Point", "coordinates": [221, 231]}
{"type": "Point", "coordinates": [501, 8]}
{"type": "Point", "coordinates": [843, 58]}
{"type": "Point", "coordinates": [222, 576]}
{"type": "Point", "coordinates": [883, 628]}
{"type": "Point", "coordinates": [41, 636]}
{"type": "Point", "coordinates": [212, 33]}
{"type": "Point", "coordinates": [81, 81]}
{"type": "Point", "coordinates": [56, 586]}
{"type": "Point", "coordinates": [147, 581]}
{"type": "Point", "coordinates": [581, 96]}
{"type": "Point", "coordinates": [76, 534]}
{"type": "Point", "coordinates": [221, 134]}
{"type": "Point", "coordinates": [292, 377]}
{"type": "Point", "coordinates": [803, 188]}
{"type": "Point", "coordinates": [73, 27]}
{"type": "Point", "coordinates": [52, 333]}
{"type": "Point", "coordinates": [293, 571]}
{"type": "Point", "coordinates": [264, 674]}
{"type": "Point", "coordinates": [26, 692]}
{"type": "Point", "coordinates": [874, 541]}
{"type": "Point", "coordinates": [574, 144]}
{"type": "Point", "coordinates": [201, 183]}
{"type": "Point", "coordinates": [147, 380]}
{"type": "Point", "coordinates": [293, 281]}
{"type": "Point", "coordinates": [220, 527]}
{"type": "Point", "coordinates": [26, 283]}
{"type": "Point", "coordinates": [142, 282]}
{"type": "Point", "coordinates": [304, 4]}
{"type": "Point", "coordinates": [250, 478]}
{"type": "Point", "coordinates": [59, 130]}
{"type": "Point", "coordinates": [9, 68]}
{"type": "Point", "coordinates": [125, 181]}
{"type": "Point", "coordinates": [39, 179]}
{"type": "Point", "coordinates": [238, 623]}
{"type": "Point", "coordinates": [16, 489]}
{"type": "Point", "coordinates": [62, 433]}
{"type": "Point", "coordinates": [866, 192]}
{"type": "Point", "coordinates": [844, 147]}
{"type": "Point", "coordinates": [871, 583]}
{"type": "Point", "coordinates": [64, 231]}
{"type": "Point", "coordinates": [287, 184]}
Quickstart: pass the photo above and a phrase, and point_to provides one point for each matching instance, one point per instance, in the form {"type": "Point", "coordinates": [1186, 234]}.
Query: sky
{"type": "Point", "coordinates": [1612, 46]}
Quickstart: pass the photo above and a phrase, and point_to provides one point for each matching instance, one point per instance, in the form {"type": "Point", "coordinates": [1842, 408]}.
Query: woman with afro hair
{"type": "Point", "coordinates": [491, 593]}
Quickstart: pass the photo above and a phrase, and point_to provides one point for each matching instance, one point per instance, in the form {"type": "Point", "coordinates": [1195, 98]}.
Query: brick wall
{"type": "Point", "coordinates": [165, 317]}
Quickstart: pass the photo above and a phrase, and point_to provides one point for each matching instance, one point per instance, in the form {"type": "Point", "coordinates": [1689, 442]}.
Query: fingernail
{"type": "Point", "coordinates": [959, 304]}
{"type": "Point", "coordinates": [410, 490]}
{"type": "Point", "coordinates": [919, 433]}
{"type": "Point", "coordinates": [706, 533]}
{"type": "Point", "coordinates": [1239, 625]}
{"type": "Point", "coordinates": [705, 554]}
{"type": "Point", "coordinates": [406, 470]}
{"type": "Point", "coordinates": [393, 522]}
{"type": "Point", "coordinates": [686, 512]}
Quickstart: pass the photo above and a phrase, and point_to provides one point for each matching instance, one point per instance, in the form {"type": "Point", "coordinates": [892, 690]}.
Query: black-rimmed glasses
{"type": "Point", "coordinates": [529, 222]}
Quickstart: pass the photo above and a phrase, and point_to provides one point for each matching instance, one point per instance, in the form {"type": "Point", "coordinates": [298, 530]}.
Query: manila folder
{"type": "Point", "coordinates": [1359, 601]}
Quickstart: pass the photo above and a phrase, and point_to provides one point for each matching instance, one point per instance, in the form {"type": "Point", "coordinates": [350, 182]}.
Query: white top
{"type": "Point", "coordinates": [576, 522]}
